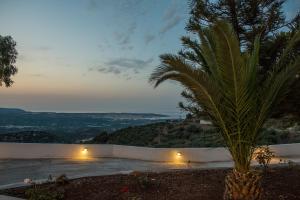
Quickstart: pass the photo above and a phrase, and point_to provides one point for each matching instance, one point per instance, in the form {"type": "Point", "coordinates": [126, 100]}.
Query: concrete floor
{"type": "Point", "coordinates": [13, 172]}
{"type": "Point", "coordinates": [8, 198]}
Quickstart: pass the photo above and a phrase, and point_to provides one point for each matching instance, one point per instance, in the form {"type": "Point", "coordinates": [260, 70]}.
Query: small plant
{"type": "Point", "coordinates": [293, 165]}
{"type": "Point", "coordinates": [62, 180]}
{"type": "Point", "coordinates": [145, 181]}
{"type": "Point", "coordinates": [189, 164]}
{"type": "Point", "coordinates": [37, 193]}
{"type": "Point", "coordinates": [263, 156]}
{"type": "Point", "coordinates": [50, 179]}
{"type": "Point", "coordinates": [124, 189]}
{"type": "Point", "coordinates": [290, 164]}
{"type": "Point", "coordinates": [28, 181]}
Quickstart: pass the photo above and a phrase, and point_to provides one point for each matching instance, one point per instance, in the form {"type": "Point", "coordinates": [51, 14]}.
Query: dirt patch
{"type": "Point", "coordinates": [278, 183]}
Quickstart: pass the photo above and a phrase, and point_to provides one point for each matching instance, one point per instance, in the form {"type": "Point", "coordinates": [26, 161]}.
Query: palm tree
{"type": "Point", "coordinates": [223, 81]}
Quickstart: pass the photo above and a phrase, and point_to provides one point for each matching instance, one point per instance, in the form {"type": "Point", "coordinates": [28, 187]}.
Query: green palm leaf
{"type": "Point", "coordinates": [223, 81]}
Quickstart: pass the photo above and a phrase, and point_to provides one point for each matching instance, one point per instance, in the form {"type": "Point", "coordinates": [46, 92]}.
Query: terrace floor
{"type": "Point", "coordinates": [14, 171]}
{"type": "Point", "coordinates": [2, 197]}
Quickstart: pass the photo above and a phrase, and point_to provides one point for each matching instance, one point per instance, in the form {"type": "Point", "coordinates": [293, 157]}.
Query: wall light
{"type": "Point", "coordinates": [84, 150]}
{"type": "Point", "coordinates": [179, 154]}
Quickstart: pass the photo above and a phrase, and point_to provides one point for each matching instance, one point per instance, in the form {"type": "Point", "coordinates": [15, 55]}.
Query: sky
{"type": "Point", "coordinates": [94, 55]}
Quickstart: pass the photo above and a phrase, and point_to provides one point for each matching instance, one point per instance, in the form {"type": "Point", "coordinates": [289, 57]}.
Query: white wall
{"type": "Point", "coordinates": [35, 150]}
{"type": "Point", "coordinates": [74, 151]}
{"type": "Point", "coordinates": [286, 150]}
{"type": "Point", "coordinates": [170, 154]}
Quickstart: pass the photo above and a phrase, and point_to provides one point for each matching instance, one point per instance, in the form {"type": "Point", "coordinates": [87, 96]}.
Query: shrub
{"type": "Point", "coordinates": [101, 138]}
{"type": "Point", "coordinates": [263, 156]}
{"type": "Point", "coordinates": [62, 180]}
{"type": "Point", "coordinates": [37, 193]}
{"type": "Point", "coordinates": [145, 182]}
{"type": "Point", "coordinates": [293, 165]}
{"type": "Point", "coordinates": [193, 129]}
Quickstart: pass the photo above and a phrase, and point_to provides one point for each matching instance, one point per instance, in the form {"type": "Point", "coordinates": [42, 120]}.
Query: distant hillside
{"type": "Point", "coordinates": [102, 115]}
{"type": "Point", "coordinates": [31, 137]}
{"type": "Point", "coordinates": [72, 127]}
{"type": "Point", "coordinates": [11, 111]}
{"type": "Point", "coordinates": [191, 134]}
{"type": "Point", "coordinates": [164, 134]}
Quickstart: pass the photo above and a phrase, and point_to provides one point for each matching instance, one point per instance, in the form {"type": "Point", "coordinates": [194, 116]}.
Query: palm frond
{"type": "Point", "coordinates": [223, 81]}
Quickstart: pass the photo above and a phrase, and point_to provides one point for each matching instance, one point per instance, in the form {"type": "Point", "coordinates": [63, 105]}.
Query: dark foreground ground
{"type": "Point", "coordinates": [278, 183]}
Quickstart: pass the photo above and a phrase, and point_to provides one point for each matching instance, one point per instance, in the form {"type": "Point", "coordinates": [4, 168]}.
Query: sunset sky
{"type": "Point", "coordinates": [94, 56]}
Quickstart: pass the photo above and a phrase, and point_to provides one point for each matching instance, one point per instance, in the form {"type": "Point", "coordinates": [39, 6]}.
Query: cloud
{"type": "Point", "coordinates": [127, 47]}
{"type": "Point", "coordinates": [105, 44]}
{"type": "Point", "coordinates": [132, 27]}
{"type": "Point", "coordinates": [171, 12]}
{"type": "Point", "coordinates": [129, 63]}
{"type": "Point", "coordinates": [124, 38]}
{"type": "Point", "coordinates": [148, 38]}
{"type": "Point", "coordinates": [37, 75]}
{"type": "Point", "coordinates": [23, 57]}
{"type": "Point", "coordinates": [170, 24]}
{"type": "Point", "coordinates": [127, 77]}
{"type": "Point", "coordinates": [122, 65]}
{"type": "Point", "coordinates": [171, 17]}
{"type": "Point", "coordinates": [44, 48]}
{"type": "Point", "coordinates": [134, 8]}
{"type": "Point", "coordinates": [108, 70]}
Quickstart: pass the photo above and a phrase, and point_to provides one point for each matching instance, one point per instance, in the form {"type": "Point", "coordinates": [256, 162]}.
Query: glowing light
{"type": "Point", "coordinates": [84, 151]}
{"type": "Point", "coordinates": [178, 158]}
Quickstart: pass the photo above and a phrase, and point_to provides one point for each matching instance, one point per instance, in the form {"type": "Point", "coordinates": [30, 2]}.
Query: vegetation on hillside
{"type": "Point", "coordinates": [17, 125]}
{"type": "Point", "coordinates": [192, 134]}
{"type": "Point", "coordinates": [164, 134]}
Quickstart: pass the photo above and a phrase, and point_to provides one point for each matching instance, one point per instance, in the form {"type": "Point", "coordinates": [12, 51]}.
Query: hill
{"type": "Point", "coordinates": [191, 134]}
{"type": "Point", "coordinates": [163, 134]}
{"type": "Point", "coordinates": [69, 127]}
{"type": "Point", "coordinates": [11, 111]}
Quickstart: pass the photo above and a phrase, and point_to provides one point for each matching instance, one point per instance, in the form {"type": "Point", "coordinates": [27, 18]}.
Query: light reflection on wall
{"type": "Point", "coordinates": [83, 153]}
{"type": "Point", "coordinates": [273, 159]}
{"type": "Point", "coordinates": [178, 157]}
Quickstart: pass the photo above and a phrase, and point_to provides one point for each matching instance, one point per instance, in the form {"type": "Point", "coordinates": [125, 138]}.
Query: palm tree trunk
{"type": "Point", "coordinates": [243, 186]}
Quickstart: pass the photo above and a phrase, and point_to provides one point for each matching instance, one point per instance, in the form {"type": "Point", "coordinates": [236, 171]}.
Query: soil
{"type": "Point", "coordinates": [278, 183]}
